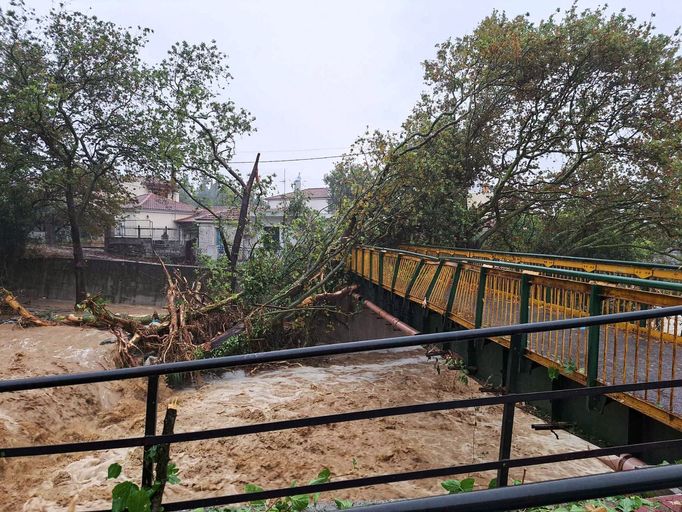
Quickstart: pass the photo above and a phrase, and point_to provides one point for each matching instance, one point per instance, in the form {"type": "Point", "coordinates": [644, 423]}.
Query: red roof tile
{"type": "Point", "coordinates": [153, 202]}
{"type": "Point", "coordinates": [224, 212]}
{"type": "Point", "coordinates": [310, 193]}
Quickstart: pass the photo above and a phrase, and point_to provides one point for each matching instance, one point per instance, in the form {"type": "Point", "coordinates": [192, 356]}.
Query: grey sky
{"type": "Point", "coordinates": [316, 73]}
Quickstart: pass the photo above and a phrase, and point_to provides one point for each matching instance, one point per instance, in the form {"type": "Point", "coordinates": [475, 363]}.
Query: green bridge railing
{"type": "Point", "coordinates": [477, 292]}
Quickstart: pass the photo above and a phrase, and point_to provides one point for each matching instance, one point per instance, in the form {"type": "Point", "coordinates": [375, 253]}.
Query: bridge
{"type": "Point", "coordinates": [436, 289]}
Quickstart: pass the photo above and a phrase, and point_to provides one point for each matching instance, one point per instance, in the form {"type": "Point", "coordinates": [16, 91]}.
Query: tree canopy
{"type": "Point", "coordinates": [573, 123]}
{"type": "Point", "coordinates": [70, 109]}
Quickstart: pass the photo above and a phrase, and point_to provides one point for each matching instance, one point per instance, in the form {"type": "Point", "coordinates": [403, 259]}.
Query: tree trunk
{"type": "Point", "coordinates": [78, 257]}
{"type": "Point", "coordinates": [163, 458]}
{"type": "Point", "coordinates": [241, 223]}
{"type": "Point", "coordinates": [50, 236]}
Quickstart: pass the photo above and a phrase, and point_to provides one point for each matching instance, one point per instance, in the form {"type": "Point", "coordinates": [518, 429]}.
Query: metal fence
{"type": "Point", "coordinates": [502, 464]}
{"type": "Point", "coordinates": [478, 293]}
{"type": "Point", "coordinates": [145, 229]}
{"type": "Point", "coordinates": [656, 271]}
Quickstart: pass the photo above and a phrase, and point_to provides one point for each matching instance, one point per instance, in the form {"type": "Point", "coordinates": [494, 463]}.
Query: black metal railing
{"type": "Point", "coordinates": [502, 465]}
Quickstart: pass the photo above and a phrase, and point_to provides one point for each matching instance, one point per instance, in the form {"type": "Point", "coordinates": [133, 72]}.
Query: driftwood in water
{"type": "Point", "coordinates": [26, 316]}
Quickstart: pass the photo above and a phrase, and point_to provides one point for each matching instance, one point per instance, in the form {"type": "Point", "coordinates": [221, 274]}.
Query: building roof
{"type": "Point", "coordinates": [224, 212]}
{"type": "Point", "coordinates": [310, 193]}
{"type": "Point", "coordinates": [154, 202]}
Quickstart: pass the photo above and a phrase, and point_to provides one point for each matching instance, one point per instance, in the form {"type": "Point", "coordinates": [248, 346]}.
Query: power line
{"type": "Point", "coordinates": [239, 152]}
{"type": "Point", "coordinates": [290, 159]}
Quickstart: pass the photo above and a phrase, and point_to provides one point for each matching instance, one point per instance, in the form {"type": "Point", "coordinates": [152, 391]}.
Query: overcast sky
{"type": "Point", "coordinates": [315, 74]}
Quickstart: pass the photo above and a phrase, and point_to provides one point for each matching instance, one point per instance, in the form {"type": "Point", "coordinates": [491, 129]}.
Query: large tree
{"type": "Point", "coordinates": [573, 120]}
{"type": "Point", "coordinates": [195, 131]}
{"type": "Point", "coordinates": [70, 95]}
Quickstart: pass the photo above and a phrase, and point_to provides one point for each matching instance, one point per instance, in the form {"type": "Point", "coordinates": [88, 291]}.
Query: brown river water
{"type": "Point", "coordinates": [210, 468]}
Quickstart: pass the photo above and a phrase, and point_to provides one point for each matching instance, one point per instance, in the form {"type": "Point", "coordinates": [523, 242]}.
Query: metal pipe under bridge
{"type": "Point", "coordinates": [464, 288]}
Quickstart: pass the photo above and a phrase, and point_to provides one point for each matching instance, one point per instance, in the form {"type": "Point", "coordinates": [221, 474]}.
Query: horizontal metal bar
{"type": "Point", "coordinates": [542, 493]}
{"type": "Point", "coordinates": [420, 475]}
{"type": "Point", "coordinates": [556, 256]}
{"type": "Point", "coordinates": [259, 428]}
{"type": "Point", "coordinates": [607, 278]}
{"type": "Point", "coordinates": [327, 350]}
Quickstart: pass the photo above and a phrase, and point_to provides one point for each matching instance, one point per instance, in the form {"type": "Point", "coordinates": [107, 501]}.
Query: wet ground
{"type": "Point", "coordinates": [250, 395]}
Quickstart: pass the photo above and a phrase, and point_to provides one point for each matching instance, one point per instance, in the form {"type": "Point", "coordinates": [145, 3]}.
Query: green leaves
{"type": "Point", "coordinates": [343, 504]}
{"type": "Point", "coordinates": [295, 503]}
{"type": "Point", "coordinates": [114, 470]}
{"type": "Point", "coordinates": [458, 486]}
{"type": "Point", "coordinates": [322, 477]}
{"type": "Point", "coordinates": [127, 496]}
{"type": "Point", "coordinates": [249, 488]}
{"type": "Point", "coordinates": [172, 475]}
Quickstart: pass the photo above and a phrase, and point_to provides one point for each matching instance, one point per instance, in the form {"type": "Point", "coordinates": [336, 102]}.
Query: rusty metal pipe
{"type": "Point", "coordinates": [624, 462]}
{"type": "Point", "coordinates": [393, 321]}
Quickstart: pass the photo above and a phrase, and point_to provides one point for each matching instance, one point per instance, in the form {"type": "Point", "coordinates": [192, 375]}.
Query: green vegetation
{"type": "Point", "coordinates": [72, 83]}
{"type": "Point", "coordinates": [569, 128]}
{"type": "Point", "coordinates": [294, 503]}
{"type": "Point", "coordinates": [615, 504]}
{"type": "Point", "coordinates": [129, 497]}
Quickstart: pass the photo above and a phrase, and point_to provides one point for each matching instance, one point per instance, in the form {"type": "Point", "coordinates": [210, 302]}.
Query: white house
{"type": "Point", "coordinates": [153, 216]}
{"type": "Point", "coordinates": [157, 221]}
{"type": "Point", "coordinates": [317, 199]}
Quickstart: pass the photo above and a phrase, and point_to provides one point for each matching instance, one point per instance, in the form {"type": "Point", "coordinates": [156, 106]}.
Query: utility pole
{"type": "Point", "coordinates": [284, 183]}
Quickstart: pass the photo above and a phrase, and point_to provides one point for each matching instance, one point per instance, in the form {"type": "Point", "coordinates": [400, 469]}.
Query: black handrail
{"type": "Point", "coordinates": [502, 465]}
{"type": "Point", "coordinates": [542, 493]}
{"type": "Point", "coordinates": [50, 381]}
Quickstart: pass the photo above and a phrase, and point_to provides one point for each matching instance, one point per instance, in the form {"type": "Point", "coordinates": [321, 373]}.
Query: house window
{"type": "Point", "coordinates": [219, 243]}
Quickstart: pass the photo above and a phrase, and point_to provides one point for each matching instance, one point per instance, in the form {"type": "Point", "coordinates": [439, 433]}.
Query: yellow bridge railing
{"type": "Point", "coordinates": [478, 293]}
{"type": "Point", "coordinates": [653, 271]}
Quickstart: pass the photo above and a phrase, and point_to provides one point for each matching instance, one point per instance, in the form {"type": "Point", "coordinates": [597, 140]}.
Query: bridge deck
{"type": "Point", "coordinates": [478, 294]}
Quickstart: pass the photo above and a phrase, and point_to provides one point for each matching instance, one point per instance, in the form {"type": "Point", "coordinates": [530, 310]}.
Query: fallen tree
{"type": "Point", "coordinates": [194, 324]}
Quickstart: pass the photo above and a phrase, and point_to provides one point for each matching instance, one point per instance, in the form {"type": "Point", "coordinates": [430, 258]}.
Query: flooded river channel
{"type": "Point", "coordinates": [249, 395]}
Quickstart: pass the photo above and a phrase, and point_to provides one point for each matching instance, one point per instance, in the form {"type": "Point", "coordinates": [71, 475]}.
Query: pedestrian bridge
{"type": "Point", "coordinates": [472, 288]}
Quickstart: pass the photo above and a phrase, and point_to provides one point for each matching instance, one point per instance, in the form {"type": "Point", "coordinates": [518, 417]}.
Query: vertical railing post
{"type": "Point", "coordinates": [453, 293]}
{"type": "Point", "coordinates": [514, 362]}
{"type": "Point", "coordinates": [395, 272]}
{"type": "Point", "coordinates": [480, 298]}
{"type": "Point", "coordinates": [593, 337]}
{"type": "Point", "coordinates": [433, 282]}
{"type": "Point", "coordinates": [429, 291]}
{"type": "Point", "coordinates": [524, 305]}
{"type": "Point", "coordinates": [362, 262]}
{"type": "Point", "coordinates": [505, 443]}
{"type": "Point", "coordinates": [643, 307]}
{"type": "Point", "coordinates": [371, 258]}
{"type": "Point", "coordinates": [150, 428]}
{"type": "Point", "coordinates": [381, 269]}
{"type": "Point", "coordinates": [415, 274]}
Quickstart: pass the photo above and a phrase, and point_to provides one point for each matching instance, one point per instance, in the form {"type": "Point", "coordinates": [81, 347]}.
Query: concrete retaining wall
{"type": "Point", "coordinates": [129, 282]}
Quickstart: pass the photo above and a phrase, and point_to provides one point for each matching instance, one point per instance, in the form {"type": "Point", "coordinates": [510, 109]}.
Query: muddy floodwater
{"type": "Point", "coordinates": [249, 395]}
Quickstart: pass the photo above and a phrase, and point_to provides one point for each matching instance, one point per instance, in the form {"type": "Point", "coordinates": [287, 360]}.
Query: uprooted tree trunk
{"type": "Point", "coordinates": [27, 317]}
{"type": "Point", "coordinates": [241, 223]}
